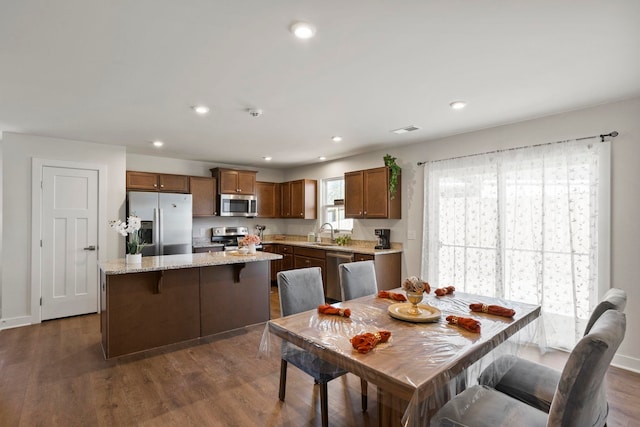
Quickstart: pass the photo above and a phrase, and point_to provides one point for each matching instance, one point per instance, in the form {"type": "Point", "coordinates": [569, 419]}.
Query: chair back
{"type": "Point", "coordinates": [300, 290]}
{"type": "Point", "coordinates": [357, 279]}
{"type": "Point", "coordinates": [580, 399]}
{"type": "Point", "coordinates": [613, 299]}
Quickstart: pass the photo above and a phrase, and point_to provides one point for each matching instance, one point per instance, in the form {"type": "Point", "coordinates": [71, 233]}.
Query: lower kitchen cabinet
{"type": "Point", "coordinates": [276, 263]}
{"type": "Point", "coordinates": [286, 263]}
{"type": "Point", "coordinates": [151, 309]}
{"type": "Point", "coordinates": [311, 257]}
{"type": "Point", "coordinates": [145, 310]}
{"type": "Point", "coordinates": [226, 304]}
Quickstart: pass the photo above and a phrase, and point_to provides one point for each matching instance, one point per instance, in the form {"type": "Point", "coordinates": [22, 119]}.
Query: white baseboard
{"type": "Point", "coordinates": [15, 322]}
{"type": "Point", "coordinates": [626, 362]}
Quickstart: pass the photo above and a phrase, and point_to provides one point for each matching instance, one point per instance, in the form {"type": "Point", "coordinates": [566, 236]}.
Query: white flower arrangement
{"type": "Point", "coordinates": [413, 284]}
{"type": "Point", "coordinates": [130, 227]}
{"type": "Point", "coordinates": [250, 239]}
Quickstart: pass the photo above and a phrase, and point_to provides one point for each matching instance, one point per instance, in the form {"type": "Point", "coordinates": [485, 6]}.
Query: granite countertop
{"type": "Point", "coordinates": [171, 262]}
{"type": "Point", "coordinates": [332, 247]}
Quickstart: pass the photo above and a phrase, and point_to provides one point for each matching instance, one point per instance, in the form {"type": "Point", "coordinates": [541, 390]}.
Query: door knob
{"type": "Point", "coordinates": [90, 248]}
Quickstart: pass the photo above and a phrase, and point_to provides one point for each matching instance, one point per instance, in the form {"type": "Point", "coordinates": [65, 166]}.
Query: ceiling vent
{"type": "Point", "coordinates": [405, 130]}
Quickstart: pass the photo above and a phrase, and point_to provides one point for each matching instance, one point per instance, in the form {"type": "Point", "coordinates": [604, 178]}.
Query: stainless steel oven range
{"type": "Point", "coordinates": [230, 236]}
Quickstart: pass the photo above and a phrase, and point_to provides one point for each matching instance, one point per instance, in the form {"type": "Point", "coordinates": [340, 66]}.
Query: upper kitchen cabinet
{"type": "Point", "coordinates": [232, 181]}
{"type": "Point", "coordinates": [203, 190]}
{"type": "Point", "coordinates": [149, 181]}
{"type": "Point", "coordinates": [367, 194]}
{"type": "Point", "coordinates": [298, 199]}
{"type": "Point", "coordinates": [268, 195]}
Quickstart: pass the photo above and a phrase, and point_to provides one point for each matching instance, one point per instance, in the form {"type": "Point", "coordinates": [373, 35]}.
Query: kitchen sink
{"type": "Point", "coordinates": [323, 244]}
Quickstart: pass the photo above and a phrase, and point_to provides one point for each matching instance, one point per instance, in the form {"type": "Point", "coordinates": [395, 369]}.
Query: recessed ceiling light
{"type": "Point", "coordinates": [267, 158]}
{"type": "Point", "coordinates": [201, 109]}
{"type": "Point", "coordinates": [322, 158]}
{"type": "Point", "coordinates": [158, 143]}
{"type": "Point", "coordinates": [303, 30]}
{"type": "Point", "coordinates": [458, 105]}
{"type": "Point", "coordinates": [336, 138]}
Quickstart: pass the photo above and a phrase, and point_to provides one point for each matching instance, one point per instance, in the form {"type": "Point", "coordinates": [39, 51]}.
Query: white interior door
{"type": "Point", "coordinates": [69, 229]}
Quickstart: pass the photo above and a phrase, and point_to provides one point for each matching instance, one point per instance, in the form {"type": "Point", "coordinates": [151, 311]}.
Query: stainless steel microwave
{"type": "Point", "coordinates": [238, 205]}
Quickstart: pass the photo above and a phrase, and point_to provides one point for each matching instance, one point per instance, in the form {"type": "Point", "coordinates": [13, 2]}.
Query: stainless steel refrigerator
{"type": "Point", "coordinates": [166, 221]}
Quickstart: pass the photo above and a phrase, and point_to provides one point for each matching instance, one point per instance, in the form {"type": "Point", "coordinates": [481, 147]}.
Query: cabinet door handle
{"type": "Point", "coordinates": [161, 185]}
{"type": "Point", "coordinates": [365, 212]}
{"type": "Point", "coordinates": [90, 248]}
{"type": "Point", "coordinates": [155, 185]}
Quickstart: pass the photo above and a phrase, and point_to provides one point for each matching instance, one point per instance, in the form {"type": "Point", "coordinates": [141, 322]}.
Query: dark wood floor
{"type": "Point", "coordinates": [54, 374]}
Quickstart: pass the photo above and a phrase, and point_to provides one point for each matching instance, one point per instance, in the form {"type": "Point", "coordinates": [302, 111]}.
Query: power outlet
{"type": "Point", "coordinates": [411, 235]}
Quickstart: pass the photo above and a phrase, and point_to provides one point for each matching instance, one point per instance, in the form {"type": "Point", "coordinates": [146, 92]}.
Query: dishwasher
{"type": "Point", "coordinates": [334, 259]}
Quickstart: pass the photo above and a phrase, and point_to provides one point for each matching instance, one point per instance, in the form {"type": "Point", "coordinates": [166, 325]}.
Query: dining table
{"type": "Point", "coordinates": [425, 354]}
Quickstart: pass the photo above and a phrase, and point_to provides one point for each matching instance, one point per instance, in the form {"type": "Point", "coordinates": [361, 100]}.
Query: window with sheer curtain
{"type": "Point", "coordinates": [527, 224]}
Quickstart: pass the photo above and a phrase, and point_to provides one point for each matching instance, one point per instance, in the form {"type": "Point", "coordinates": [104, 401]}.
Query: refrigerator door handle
{"type": "Point", "coordinates": [161, 231]}
{"type": "Point", "coordinates": [156, 232]}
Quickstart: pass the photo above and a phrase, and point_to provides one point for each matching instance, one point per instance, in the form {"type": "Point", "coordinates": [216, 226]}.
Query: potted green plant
{"type": "Point", "coordinates": [394, 170]}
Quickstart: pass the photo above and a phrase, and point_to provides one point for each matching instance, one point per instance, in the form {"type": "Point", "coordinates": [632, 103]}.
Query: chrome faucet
{"type": "Point", "coordinates": [333, 239]}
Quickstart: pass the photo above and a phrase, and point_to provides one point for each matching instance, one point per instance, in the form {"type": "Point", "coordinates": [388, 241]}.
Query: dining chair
{"type": "Point", "coordinates": [579, 400]}
{"type": "Point", "coordinates": [358, 279]}
{"type": "Point", "coordinates": [301, 290]}
{"type": "Point", "coordinates": [532, 382]}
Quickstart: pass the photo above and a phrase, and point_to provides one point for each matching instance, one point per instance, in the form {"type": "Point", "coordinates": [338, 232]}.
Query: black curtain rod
{"type": "Point", "coordinates": [602, 137]}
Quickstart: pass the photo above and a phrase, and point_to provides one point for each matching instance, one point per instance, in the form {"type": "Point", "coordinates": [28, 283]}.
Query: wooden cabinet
{"type": "Point", "coordinates": [310, 257]}
{"type": "Point", "coordinates": [226, 304]}
{"type": "Point", "coordinates": [203, 190]}
{"type": "Point", "coordinates": [363, 257]}
{"type": "Point", "coordinates": [268, 195]}
{"type": "Point", "coordinates": [298, 199]}
{"type": "Point", "coordinates": [232, 181]}
{"type": "Point", "coordinates": [285, 199]}
{"type": "Point", "coordinates": [367, 194]}
{"type": "Point", "coordinates": [149, 181]}
{"type": "Point", "coordinates": [286, 263]}
{"type": "Point", "coordinates": [275, 264]}
{"type": "Point", "coordinates": [147, 310]}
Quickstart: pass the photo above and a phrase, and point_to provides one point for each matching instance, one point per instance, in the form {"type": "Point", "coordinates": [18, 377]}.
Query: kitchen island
{"type": "Point", "coordinates": [173, 298]}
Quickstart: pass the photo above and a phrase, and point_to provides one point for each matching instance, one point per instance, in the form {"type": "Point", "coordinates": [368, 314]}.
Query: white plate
{"type": "Point", "coordinates": [427, 313]}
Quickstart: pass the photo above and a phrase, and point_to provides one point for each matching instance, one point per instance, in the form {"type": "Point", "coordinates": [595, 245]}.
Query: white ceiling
{"type": "Point", "coordinates": [127, 72]}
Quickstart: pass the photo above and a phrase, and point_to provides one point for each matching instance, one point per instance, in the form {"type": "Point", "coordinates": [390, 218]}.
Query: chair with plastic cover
{"type": "Point", "coordinates": [357, 279]}
{"type": "Point", "coordinates": [531, 382]}
{"type": "Point", "coordinates": [580, 398]}
{"type": "Point", "coordinates": [302, 290]}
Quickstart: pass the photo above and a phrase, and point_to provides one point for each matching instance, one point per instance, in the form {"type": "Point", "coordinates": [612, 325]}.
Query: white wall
{"type": "Point", "coordinates": [17, 152]}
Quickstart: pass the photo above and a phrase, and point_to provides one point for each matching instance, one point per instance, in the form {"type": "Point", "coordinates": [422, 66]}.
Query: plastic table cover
{"type": "Point", "coordinates": [423, 364]}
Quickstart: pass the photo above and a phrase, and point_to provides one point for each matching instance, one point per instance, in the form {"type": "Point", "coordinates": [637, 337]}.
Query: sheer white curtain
{"type": "Point", "coordinates": [523, 224]}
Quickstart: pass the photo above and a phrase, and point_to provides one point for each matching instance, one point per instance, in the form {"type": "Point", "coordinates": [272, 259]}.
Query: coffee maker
{"type": "Point", "coordinates": [384, 238]}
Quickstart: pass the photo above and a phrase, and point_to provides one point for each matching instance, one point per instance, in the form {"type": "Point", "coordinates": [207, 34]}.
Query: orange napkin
{"type": "Point", "coordinates": [391, 295]}
{"type": "Point", "coordinates": [364, 343]}
{"type": "Point", "coordinates": [444, 291]}
{"type": "Point", "coordinates": [329, 309]}
{"type": "Point", "coordinates": [467, 323]}
{"type": "Point", "coordinates": [498, 310]}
